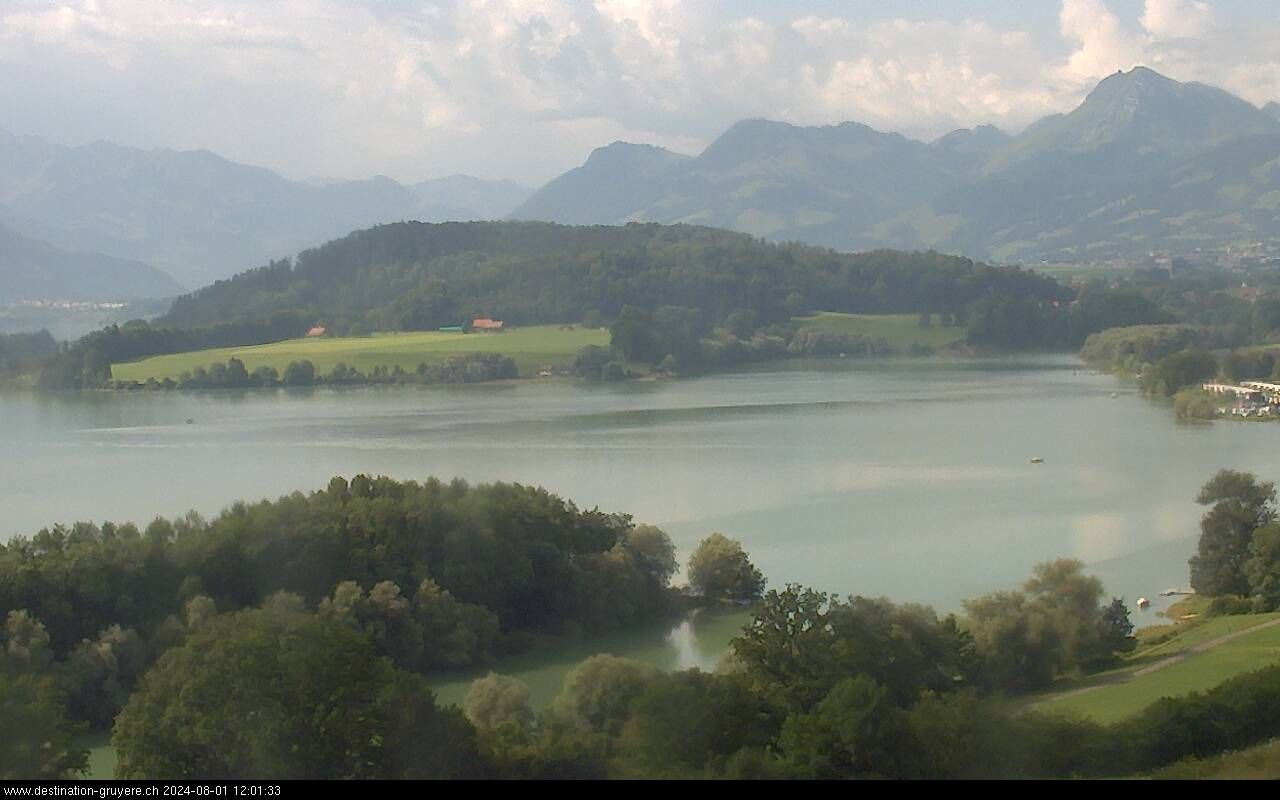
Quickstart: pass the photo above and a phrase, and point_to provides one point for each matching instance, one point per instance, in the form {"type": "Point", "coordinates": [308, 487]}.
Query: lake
{"type": "Point", "coordinates": [910, 478]}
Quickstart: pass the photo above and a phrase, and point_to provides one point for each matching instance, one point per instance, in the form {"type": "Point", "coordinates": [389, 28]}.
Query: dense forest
{"type": "Point", "coordinates": [420, 276]}
{"type": "Point", "coordinates": [21, 351]}
{"type": "Point", "coordinates": [324, 615]}
{"type": "Point", "coordinates": [1235, 341]}
{"type": "Point", "coordinates": [676, 298]}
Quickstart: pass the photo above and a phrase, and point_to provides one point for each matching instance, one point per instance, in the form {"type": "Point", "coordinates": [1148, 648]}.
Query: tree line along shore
{"type": "Point", "coordinates": [342, 603]}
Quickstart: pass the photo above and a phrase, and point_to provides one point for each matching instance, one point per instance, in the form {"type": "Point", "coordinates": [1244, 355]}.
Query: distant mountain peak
{"type": "Point", "coordinates": [617, 150]}
{"type": "Point", "coordinates": [982, 135]}
{"type": "Point", "coordinates": [201, 216]}
{"type": "Point", "coordinates": [1139, 76]}
{"type": "Point", "coordinates": [613, 182]}
{"type": "Point", "coordinates": [1144, 110]}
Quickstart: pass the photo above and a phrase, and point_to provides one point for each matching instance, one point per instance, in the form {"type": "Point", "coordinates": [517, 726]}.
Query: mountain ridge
{"type": "Point", "coordinates": [201, 216]}
{"type": "Point", "coordinates": [977, 192]}
{"type": "Point", "coordinates": [32, 270]}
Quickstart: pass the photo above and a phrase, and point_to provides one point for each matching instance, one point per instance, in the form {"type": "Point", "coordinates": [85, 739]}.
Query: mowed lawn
{"type": "Point", "coordinates": [1120, 696]}
{"type": "Point", "coordinates": [900, 330]}
{"type": "Point", "coordinates": [531, 348]}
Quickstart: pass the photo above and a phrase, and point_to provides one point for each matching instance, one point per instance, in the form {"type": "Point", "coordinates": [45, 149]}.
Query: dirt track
{"type": "Point", "coordinates": [1164, 662]}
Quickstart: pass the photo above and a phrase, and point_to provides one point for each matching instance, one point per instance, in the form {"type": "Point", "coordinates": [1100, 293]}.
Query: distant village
{"type": "Point", "coordinates": [1248, 398]}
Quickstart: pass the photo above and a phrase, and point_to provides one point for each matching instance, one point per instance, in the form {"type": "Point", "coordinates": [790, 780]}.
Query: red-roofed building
{"type": "Point", "coordinates": [318, 330]}
{"type": "Point", "coordinates": [486, 324]}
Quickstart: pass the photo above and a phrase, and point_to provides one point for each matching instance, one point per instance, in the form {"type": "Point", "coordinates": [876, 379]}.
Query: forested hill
{"type": "Point", "coordinates": [420, 276]}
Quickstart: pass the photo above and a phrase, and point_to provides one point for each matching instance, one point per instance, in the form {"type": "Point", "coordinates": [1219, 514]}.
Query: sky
{"type": "Point", "coordinates": [525, 89]}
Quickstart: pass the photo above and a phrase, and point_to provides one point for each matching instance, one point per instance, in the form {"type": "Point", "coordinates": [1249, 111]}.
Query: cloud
{"type": "Point", "coordinates": [1102, 44]}
{"type": "Point", "coordinates": [1175, 19]}
{"type": "Point", "coordinates": [524, 88]}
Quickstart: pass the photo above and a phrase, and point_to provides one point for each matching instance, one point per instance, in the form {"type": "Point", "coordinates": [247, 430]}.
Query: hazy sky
{"type": "Point", "coordinates": [526, 88]}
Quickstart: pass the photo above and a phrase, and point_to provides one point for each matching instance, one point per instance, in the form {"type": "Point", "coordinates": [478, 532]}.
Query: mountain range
{"type": "Point", "coordinates": [34, 270]}
{"type": "Point", "coordinates": [1145, 163]}
{"type": "Point", "coordinates": [198, 216]}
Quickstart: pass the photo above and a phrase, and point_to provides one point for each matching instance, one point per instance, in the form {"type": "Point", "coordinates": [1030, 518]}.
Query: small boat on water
{"type": "Point", "coordinates": [1037, 460]}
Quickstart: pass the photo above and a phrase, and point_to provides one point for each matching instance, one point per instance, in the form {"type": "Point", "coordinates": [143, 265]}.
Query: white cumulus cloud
{"type": "Point", "coordinates": [1175, 19]}
{"type": "Point", "coordinates": [525, 88]}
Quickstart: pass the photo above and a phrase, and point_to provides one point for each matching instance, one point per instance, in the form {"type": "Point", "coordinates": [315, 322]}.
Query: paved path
{"type": "Point", "coordinates": [1125, 677]}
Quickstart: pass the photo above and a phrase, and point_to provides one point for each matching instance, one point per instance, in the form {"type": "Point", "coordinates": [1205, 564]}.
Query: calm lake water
{"type": "Point", "coordinates": [905, 478]}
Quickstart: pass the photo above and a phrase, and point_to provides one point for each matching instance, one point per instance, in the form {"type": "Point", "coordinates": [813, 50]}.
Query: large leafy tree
{"type": "Point", "coordinates": [720, 570]}
{"type": "Point", "coordinates": [690, 723]}
{"type": "Point", "coordinates": [801, 642]}
{"type": "Point", "coordinates": [1056, 624]}
{"type": "Point", "coordinates": [1240, 504]}
{"type": "Point", "coordinates": [1263, 565]}
{"type": "Point", "coordinates": [598, 693]}
{"type": "Point", "coordinates": [276, 693]}
{"type": "Point", "coordinates": [36, 738]}
{"type": "Point", "coordinates": [855, 732]}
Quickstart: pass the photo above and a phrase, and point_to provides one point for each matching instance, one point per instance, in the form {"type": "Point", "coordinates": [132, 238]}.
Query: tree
{"type": "Point", "coordinates": [425, 307]}
{"type": "Point", "coordinates": [26, 644]}
{"type": "Point", "coordinates": [632, 335]}
{"type": "Point", "coordinates": [855, 732]}
{"type": "Point", "coordinates": [1173, 372]}
{"type": "Point", "coordinates": [1263, 565]}
{"type": "Point", "coordinates": [100, 674]}
{"type": "Point", "coordinates": [800, 643]}
{"type": "Point", "coordinates": [1116, 628]}
{"type": "Point", "coordinates": [454, 634]}
{"type": "Point", "coordinates": [685, 724]}
{"type": "Point", "coordinates": [1011, 642]}
{"type": "Point", "coordinates": [237, 375]}
{"type": "Point", "coordinates": [1241, 505]}
{"type": "Point", "coordinates": [590, 361]}
{"type": "Point", "coordinates": [278, 695]}
{"type": "Point", "coordinates": [958, 735]}
{"type": "Point", "coordinates": [1055, 625]}
{"type": "Point", "coordinates": [496, 700]}
{"type": "Point", "coordinates": [36, 738]}
{"type": "Point", "coordinates": [598, 693]}
{"type": "Point", "coordinates": [720, 570]}
{"type": "Point", "coordinates": [299, 373]}
{"type": "Point", "coordinates": [652, 548]}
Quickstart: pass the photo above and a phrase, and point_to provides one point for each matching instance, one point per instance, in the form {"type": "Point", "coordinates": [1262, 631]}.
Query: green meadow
{"type": "Point", "coordinates": [1120, 694]}
{"type": "Point", "coordinates": [1261, 762]}
{"type": "Point", "coordinates": [532, 348]}
{"type": "Point", "coordinates": [900, 330]}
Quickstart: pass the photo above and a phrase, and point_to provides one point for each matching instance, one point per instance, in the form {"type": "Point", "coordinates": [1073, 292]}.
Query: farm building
{"type": "Point", "coordinates": [486, 324]}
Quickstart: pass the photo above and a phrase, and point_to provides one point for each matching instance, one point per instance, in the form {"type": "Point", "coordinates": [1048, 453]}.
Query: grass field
{"type": "Point", "coordinates": [1260, 762]}
{"type": "Point", "coordinates": [1119, 695]}
{"type": "Point", "coordinates": [900, 330]}
{"type": "Point", "coordinates": [531, 348]}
